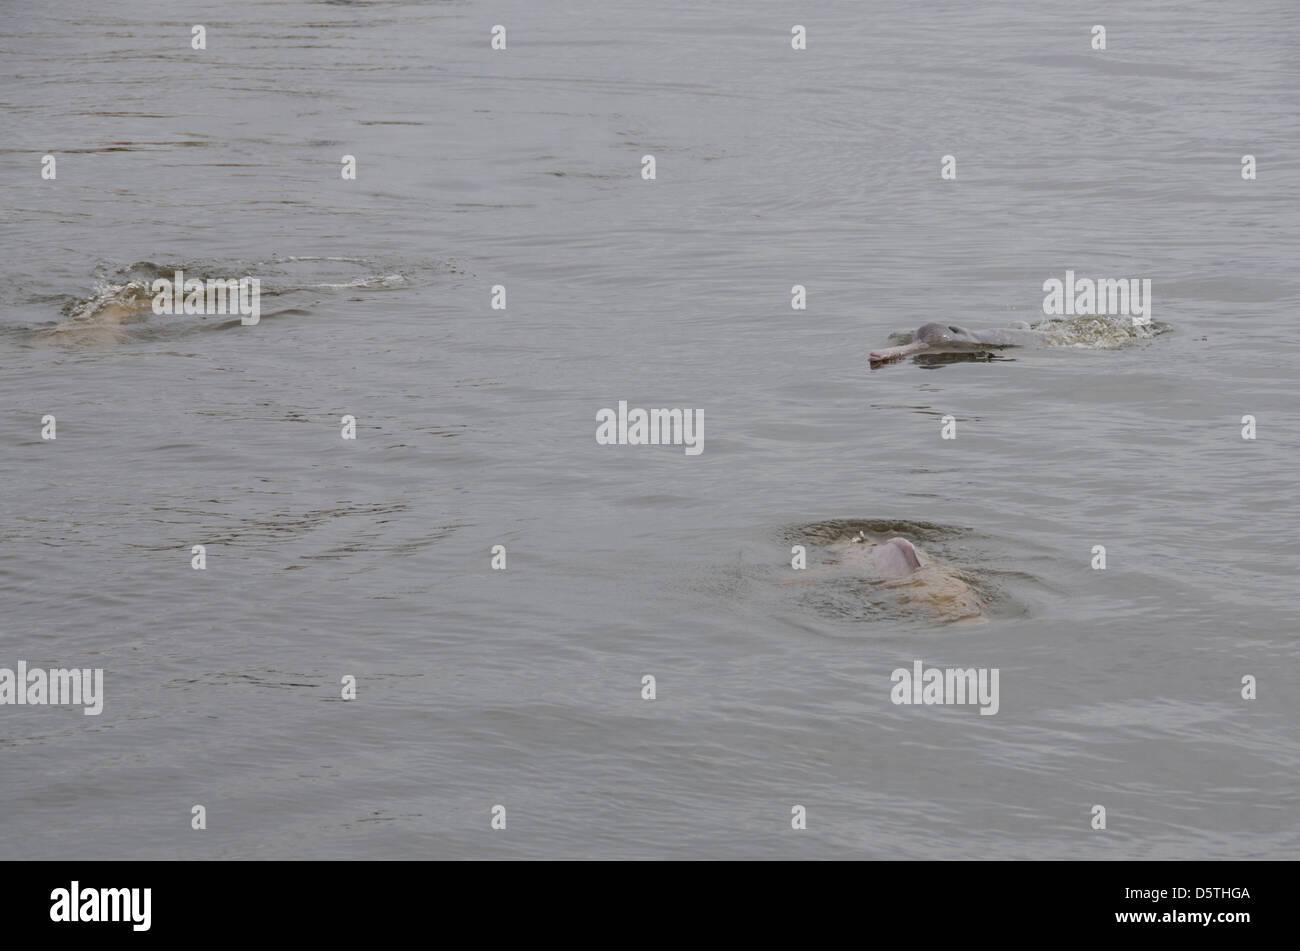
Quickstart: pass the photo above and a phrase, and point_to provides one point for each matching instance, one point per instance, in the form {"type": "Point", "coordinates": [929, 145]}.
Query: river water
{"type": "Point", "coordinates": [371, 558]}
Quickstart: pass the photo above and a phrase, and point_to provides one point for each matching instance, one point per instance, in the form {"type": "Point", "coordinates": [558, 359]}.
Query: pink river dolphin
{"type": "Point", "coordinates": [947, 337]}
{"type": "Point", "coordinates": [900, 567]}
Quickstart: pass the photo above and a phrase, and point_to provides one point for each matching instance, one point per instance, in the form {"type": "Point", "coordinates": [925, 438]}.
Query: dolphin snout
{"type": "Point", "coordinates": [891, 353]}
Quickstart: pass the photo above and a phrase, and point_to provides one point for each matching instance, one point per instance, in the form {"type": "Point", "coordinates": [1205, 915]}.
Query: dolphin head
{"type": "Point", "coordinates": [932, 334]}
{"type": "Point", "coordinates": [926, 336]}
{"type": "Point", "coordinates": [935, 334]}
{"type": "Point", "coordinates": [896, 558]}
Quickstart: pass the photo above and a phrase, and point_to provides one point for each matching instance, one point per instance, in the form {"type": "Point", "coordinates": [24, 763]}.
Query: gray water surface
{"type": "Point", "coordinates": [522, 167]}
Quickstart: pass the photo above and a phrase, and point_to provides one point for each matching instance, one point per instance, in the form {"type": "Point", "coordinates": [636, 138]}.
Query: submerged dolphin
{"type": "Point", "coordinates": [101, 320]}
{"type": "Point", "coordinates": [952, 337]}
{"type": "Point", "coordinates": [904, 569]}
{"type": "Point", "coordinates": [913, 577]}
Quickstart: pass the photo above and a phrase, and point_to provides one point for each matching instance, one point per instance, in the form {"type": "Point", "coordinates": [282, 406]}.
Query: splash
{"type": "Point", "coordinates": [122, 299]}
{"type": "Point", "coordinates": [131, 296]}
{"type": "Point", "coordinates": [127, 291]}
{"type": "Point", "coordinates": [1096, 333]}
{"type": "Point", "coordinates": [1092, 333]}
{"type": "Point", "coordinates": [378, 280]}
